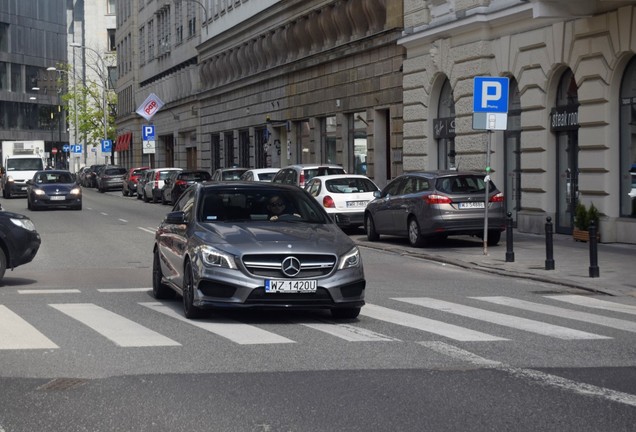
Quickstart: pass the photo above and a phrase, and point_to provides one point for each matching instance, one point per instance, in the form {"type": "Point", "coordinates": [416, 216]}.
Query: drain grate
{"type": "Point", "coordinates": [63, 384]}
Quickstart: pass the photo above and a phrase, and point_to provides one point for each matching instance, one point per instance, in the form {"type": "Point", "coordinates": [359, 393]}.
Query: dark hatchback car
{"type": "Point", "coordinates": [90, 177]}
{"type": "Point", "coordinates": [178, 181]}
{"type": "Point", "coordinates": [434, 205]}
{"type": "Point", "coordinates": [53, 189]}
{"type": "Point", "coordinates": [110, 177]}
{"type": "Point", "coordinates": [255, 245]}
{"type": "Point", "coordinates": [19, 241]}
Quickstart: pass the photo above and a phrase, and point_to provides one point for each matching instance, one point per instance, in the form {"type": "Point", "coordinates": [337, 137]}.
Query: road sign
{"type": "Point", "coordinates": [107, 146]}
{"type": "Point", "coordinates": [148, 132]}
{"type": "Point", "coordinates": [66, 148]}
{"type": "Point", "coordinates": [490, 103]}
{"type": "Point", "coordinates": [54, 150]}
{"type": "Point", "coordinates": [76, 148]}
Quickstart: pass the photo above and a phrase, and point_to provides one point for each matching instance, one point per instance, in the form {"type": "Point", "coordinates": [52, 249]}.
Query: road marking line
{"type": "Point", "coordinates": [242, 334]}
{"type": "Point", "coordinates": [16, 333]}
{"type": "Point", "coordinates": [118, 290]}
{"type": "Point", "coordinates": [595, 303]}
{"type": "Point", "coordinates": [123, 220]}
{"type": "Point", "coordinates": [562, 313]}
{"type": "Point", "coordinates": [148, 230]}
{"type": "Point", "coordinates": [49, 291]}
{"type": "Point", "coordinates": [120, 330]}
{"type": "Point", "coordinates": [502, 319]}
{"type": "Point", "coordinates": [427, 325]}
{"type": "Point", "coordinates": [348, 332]}
{"type": "Point", "coordinates": [103, 214]}
{"type": "Point", "coordinates": [541, 378]}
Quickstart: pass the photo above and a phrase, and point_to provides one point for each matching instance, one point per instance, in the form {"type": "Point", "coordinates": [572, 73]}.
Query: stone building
{"type": "Point", "coordinates": [266, 83]}
{"type": "Point", "coordinates": [572, 103]}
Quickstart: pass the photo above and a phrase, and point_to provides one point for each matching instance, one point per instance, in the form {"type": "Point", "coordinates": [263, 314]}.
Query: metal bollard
{"type": "Point", "coordinates": [594, 270]}
{"type": "Point", "coordinates": [510, 255]}
{"type": "Point", "coordinates": [549, 252]}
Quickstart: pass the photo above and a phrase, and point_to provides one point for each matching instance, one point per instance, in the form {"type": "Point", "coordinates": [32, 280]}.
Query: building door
{"type": "Point", "coordinates": [564, 124]}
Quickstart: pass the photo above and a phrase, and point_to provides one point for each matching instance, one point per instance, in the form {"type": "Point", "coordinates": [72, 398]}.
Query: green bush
{"type": "Point", "coordinates": [583, 216]}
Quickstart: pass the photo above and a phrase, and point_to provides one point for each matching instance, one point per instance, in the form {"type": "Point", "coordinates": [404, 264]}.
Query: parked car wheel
{"type": "Point", "coordinates": [3, 263]}
{"type": "Point", "coordinates": [124, 192]}
{"type": "Point", "coordinates": [493, 238]}
{"type": "Point", "coordinates": [159, 289]}
{"type": "Point", "coordinates": [163, 200]}
{"type": "Point", "coordinates": [145, 197]}
{"type": "Point", "coordinates": [154, 197]}
{"type": "Point", "coordinates": [415, 234]}
{"type": "Point", "coordinates": [372, 235]}
{"type": "Point", "coordinates": [189, 310]}
{"type": "Point", "coordinates": [345, 313]}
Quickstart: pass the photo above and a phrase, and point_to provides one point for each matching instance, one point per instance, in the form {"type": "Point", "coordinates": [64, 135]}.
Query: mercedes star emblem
{"type": "Point", "coordinates": [290, 266]}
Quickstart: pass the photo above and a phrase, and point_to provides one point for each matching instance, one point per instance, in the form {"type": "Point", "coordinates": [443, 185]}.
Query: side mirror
{"type": "Point", "coordinates": [175, 218]}
{"type": "Point", "coordinates": [29, 182]}
{"type": "Point", "coordinates": [377, 194]}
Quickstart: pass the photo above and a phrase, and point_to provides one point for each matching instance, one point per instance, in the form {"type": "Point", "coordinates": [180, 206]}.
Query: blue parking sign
{"type": "Point", "coordinates": [148, 132]}
{"type": "Point", "coordinates": [490, 94]}
{"type": "Point", "coordinates": [107, 146]}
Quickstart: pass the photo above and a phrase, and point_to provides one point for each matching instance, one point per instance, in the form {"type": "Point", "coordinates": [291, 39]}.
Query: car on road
{"type": "Point", "coordinates": [300, 174]}
{"type": "Point", "coordinates": [19, 240]}
{"type": "Point", "coordinates": [260, 174]}
{"type": "Point", "coordinates": [154, 182]}
{"type": "Point", "coordinates": [228, 174]}
{"type": "Point", "coordinates": [129, 187]}
{"type": "Point", "coordinates": [255, 245]}
{"type": "Point", "coordinates": [434, 205]}
{"type": "Point", "coordinates": [110, 177]}
{"type": "Point", "coordinates": [90, 177]}
{"type": "Point", "coordinates": [50, 189]}
{"type": "Point", "coordinates": [178, 181]}
{"type": "Point", "coordinates": [344, 197]}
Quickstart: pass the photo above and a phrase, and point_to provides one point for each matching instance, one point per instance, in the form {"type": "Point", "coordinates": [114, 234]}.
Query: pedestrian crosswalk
{"type": "Point", "coordinates": [473, 319]}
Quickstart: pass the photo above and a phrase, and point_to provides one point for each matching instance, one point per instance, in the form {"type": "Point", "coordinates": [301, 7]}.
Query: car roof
{"type": "Point", "coordinates": [240, 184]}
{"type": "Point", "coordinates": [340, 176]}
{"type": "Point", "coordinates": [53, 171]}
{"type": "Point", "coordinates": [313, 166]}
{"type": "Point", "coordinates": [263, 170]}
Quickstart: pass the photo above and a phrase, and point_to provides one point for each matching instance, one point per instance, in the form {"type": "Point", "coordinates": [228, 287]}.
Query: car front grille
{"type": "Point", "coordinates": [270, 266]}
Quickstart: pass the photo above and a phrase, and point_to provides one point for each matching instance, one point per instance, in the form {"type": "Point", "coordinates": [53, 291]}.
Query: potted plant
{"type": "Point", "coordinates": [583, 217]}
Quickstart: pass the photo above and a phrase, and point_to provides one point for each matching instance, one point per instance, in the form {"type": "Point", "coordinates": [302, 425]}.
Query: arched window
{"type": "Point", "coordinates": [444, 128]}
{"type": "Point", "coordinates": [628, 141]}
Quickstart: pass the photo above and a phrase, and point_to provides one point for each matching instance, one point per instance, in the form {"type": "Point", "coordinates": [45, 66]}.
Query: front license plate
{"type": "Point", "coordinates": [471, 205]}
{"type": "Point", "coordinates": [356, 204]}
{"type": "Point", "coordinates": [290, 286]}
{"type": "Point", "coordinates": [58, 198]}
{"type": "Point", "coordinates": [23, 188]}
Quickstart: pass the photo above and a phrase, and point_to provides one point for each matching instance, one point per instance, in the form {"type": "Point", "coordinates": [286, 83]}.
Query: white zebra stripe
{"type": "Point", "coordinates": [595, 303]}
{"type": "Point", "coordinates": [16, 333]}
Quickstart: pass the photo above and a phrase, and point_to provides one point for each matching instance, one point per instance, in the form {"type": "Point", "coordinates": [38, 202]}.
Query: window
{"type": "Point", "coordinates": [329, 139]}
{"type": "Point", "coordinates": [111, 8]}
{"type": "Point", "coordinates": [215, 144]}
{"type": "Point", "coordinates": [244, 148]}
{"type": "Point", "coordinates": [111, 40]}
{"type": "Point", "coordinates": [4, 37]}
{"type": "Point", "coordinates": [358, 143]}
{"type": "Point", "coordinates": [229, 149]}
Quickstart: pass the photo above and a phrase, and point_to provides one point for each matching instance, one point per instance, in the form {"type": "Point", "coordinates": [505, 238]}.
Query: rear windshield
{"type": "Point", "coordinates": [138, 172]}
{"type": "Point", "coordinates": [115, 171]}
{"type": "Point", "coordinates": [232, 175]}
{"type": "Point", "coordinates": [350, 185]}
{"type": "Point", "coordinates": [163, 175]}
{"type": "Point", "coordinates": [197, 176]}
{"type": "Point", "coordinates": [463, 184]}
{"type": "Point", "coordinates": [322, 171]}
{"type": "Point", "coordinates": [266, 176]}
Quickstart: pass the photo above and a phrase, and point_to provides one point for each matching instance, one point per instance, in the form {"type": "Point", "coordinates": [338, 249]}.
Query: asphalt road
{"type": "Point", "coordinates": [436, 348]}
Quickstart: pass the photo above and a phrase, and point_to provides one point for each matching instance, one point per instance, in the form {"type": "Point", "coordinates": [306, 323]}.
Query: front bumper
{"type": "Point", "coordinates": [17, 188]}
{"type": "Point", "coordinates": [46, 202]}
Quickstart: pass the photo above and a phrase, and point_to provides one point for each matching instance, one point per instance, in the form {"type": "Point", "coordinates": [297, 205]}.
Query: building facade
{"type": "Point", "coordinates": [33, 39]}
{"type": "Point", "coordinates": [268, 83]}
{"type": "Point", "coordinates": [570, 136]}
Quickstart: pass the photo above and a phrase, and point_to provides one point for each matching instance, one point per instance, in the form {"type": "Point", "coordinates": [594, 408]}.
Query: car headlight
{"type": "Point", "coordinates": [27, 224]}
{"type": "Point", "coordinates": [216, 258]}
{"type": "Point", "coordinates": [39, 192]}
{"type": "Point", "coordinates": [75, 191]}
{"type": "Point", "coordinates": [10, 179]}
{"type": "Point", "coordinates": [350, 260]}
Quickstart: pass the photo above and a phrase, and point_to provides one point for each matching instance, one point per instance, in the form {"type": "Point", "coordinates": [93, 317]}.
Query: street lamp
{"type": "Point", "coordinates": [104, 78]}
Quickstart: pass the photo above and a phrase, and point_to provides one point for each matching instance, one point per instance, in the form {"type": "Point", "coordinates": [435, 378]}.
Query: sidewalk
{"type": "Point", "coordinates": [616, 261]}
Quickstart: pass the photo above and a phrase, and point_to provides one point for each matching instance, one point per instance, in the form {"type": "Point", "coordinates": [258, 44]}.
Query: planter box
{"type": "Point", "coordinates": [584, 236]}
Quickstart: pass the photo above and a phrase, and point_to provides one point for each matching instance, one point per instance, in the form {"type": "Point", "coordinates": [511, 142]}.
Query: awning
{"type": "Point", "coordinates": [123, 142]}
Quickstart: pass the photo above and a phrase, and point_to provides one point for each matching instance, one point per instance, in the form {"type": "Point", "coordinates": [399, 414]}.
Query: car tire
{"type": "Point", "coordinates": [145, 197]}
{"type": "Point", "coordinates": [3, 263]}
{"type": "Point", "coordinates": [416, 239]}
{"type": "Point", "coordinates": [28, 204]}
{"type": "Point", "coordinates": [124, 192]}
{"type": "Point", "coordinates": [369, 227]}
{"type": "Point", "coordinates": [138, 196]}
{"type": "Point", "coordinates": [154, 197]}
{"type": "Point", "coordinates": [493, 238]}
{"type": "Point", "coordinates": [345, 313]}
{"type": "Point", "coordinates": [159, 289]}
{"type": "Point", "coordinates": [163, 200]}
{"type": "Point", "coordinates": [189, 310]}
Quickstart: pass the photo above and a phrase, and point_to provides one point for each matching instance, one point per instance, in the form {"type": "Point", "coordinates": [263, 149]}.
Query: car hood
{"type": "Point", "coordinates": [272, 237]}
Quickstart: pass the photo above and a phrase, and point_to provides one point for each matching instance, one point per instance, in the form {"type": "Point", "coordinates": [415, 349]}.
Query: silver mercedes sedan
{"type": "Point", "coordinates": [255, 245]}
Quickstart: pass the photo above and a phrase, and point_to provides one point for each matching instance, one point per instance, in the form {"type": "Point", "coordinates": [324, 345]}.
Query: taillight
{"type": "Point", "coordinates": [157, 177]}
{"type": "Point", "coordinates": [301, 180]}
{"type": "Point", "coordinates": [497, 198]}
{"type": "Point", "coordinates": [181, 183]}
{"type": "Point", "coordinates": [327, 202]}
{"type": "Point", "coordinates": [437, 199]}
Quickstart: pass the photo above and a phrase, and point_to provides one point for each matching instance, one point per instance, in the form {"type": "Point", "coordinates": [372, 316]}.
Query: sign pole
{"type": "Point", "coordinates": [486, 198]}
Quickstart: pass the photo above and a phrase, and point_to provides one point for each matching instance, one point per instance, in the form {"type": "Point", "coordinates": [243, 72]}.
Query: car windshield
{"type": "Point", "coordinates": [252, 205]}
{"type": "Point", "coordinates": [52, 177]}
{"type": "Point", "coordinates": [322, 171]}
{"type": "Point", "coordinates": [31, 164]}
{"type": "Point", "coordinates": [115, 171]}
{"type": "Point", "coordinates": [232, 175]}
{"type": "Point", "coordinates": [462, 184]}
{"type": "Point", "coordinates": [350, 185]}
{"type": "Point", "coordinates": [195, 176]}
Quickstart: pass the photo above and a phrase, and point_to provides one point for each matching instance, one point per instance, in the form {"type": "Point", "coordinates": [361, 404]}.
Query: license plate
{"type": "Point", "coordinates": [23, 188]}
{"type": "Point", "coordinates": [57, 198]}
{"type": "Point", "coordinates": [290, 286]}
{"type": "Point", "coordinates": [356, 204]}
{"type": "Point", "coordinates": [471, 205]}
